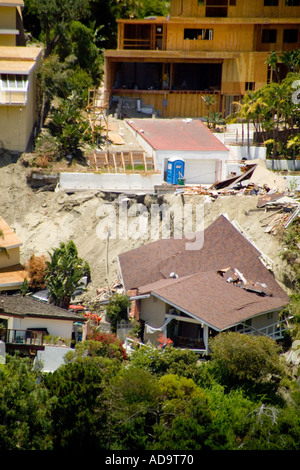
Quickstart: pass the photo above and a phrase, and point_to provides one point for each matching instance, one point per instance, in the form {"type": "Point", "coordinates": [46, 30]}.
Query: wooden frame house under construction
{"type": "Point", "coordinates": [203, 48]}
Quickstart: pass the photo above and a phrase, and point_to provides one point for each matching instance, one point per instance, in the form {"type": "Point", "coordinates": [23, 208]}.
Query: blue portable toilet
{"type": "Point", "coordinates": [175, 170]}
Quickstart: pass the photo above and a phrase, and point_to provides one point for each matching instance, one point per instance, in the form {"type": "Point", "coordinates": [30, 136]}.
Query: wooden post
{"type": "Point", "coordinates": [123, 162]}
{"type": "Point", "coordinates": [145, 161]}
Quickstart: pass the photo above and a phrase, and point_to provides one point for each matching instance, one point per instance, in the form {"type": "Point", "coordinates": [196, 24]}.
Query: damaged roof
{"type": "Point", "coordinates": [222, 284]}
{"type": "Point", "coordinates": [224, 247]}
{"type": "Point", "coordinates": [209, 297]}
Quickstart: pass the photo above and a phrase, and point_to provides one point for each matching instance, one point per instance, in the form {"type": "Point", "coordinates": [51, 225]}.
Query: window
{"type": "Point", "coordinates": [9, 82]}
{"type": "Point", "coordinates": [216, 8]}
{"type": "Point", "coordinates": [249, 86]}
{"type": "Point", "coordinates": [269, 35]}
{"type": "Point", "coordinates": [202, 34]}
{"type": "Point", "coordinates": [290, 35]}
{"type": "Point", "coordinates": [270, 3]}
{"type": "Point", "coordinates": [270, 315]}
{"type": "Point", "coordinates": [292, 3]}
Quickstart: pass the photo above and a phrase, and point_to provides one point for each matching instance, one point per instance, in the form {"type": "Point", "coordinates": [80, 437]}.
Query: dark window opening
{"type": "Point", "coordinates": [269, 36]}
{"type": "Point", "coordinates": [137, 36]}
{"type": "Point", "coordinates": [203, 34]}
{"type": "Point", "coordinates": [290, 35]}
{"type": "Point", "coordinates": [216, 8]}
{"type": "Point", "coordinates": [249, 86]}
{"type": "Point", "coordinates": [292, 3]}
{"type": "Point", "coordinates": [197, 77]}
{"type": "Point", "coordinates": [216, 12]}
{"type": "Point", "coordinates": [186, 77]}
{"type": "Point", "coordinates": [138, 76]}
{"type": "Point", "coordinates": [271, 3]}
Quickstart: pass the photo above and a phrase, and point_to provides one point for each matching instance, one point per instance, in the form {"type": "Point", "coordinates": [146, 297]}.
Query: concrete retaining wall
{"type": "Point", "coordinates": [284, 165]}
{"type": "Point", "coordinates": [241, 151]}
{"type": "Point", "coordinates": [109, 181]}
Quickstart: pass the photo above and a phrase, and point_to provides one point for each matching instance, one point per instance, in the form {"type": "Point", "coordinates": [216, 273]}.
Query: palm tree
{"type": "Point", "coordinates": [291, 59]}
{"type": "Point", "coordinates": [272, 61]}
{"type": "Point", "coordinates": [64, 272]}
{"type": "Point", "coordinates": [294, 144]}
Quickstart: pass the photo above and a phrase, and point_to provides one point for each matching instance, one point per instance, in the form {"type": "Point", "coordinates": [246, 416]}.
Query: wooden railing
{"type": "Point", "coordinates": [138, 44]}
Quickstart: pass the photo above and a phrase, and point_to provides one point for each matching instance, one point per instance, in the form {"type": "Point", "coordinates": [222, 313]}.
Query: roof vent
{"type": "Point", "coordinates": [173, 275]}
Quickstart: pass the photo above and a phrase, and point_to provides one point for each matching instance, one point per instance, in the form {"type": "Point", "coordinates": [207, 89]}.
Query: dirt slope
{"type": "Point", "coordinates": [42, 219]}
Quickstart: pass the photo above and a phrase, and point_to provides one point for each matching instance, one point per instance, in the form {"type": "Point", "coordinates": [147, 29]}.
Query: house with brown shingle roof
{"type": "Point", "coordinates": [191, 295]}
{"type": "Point", "coordinates": [26, 320]}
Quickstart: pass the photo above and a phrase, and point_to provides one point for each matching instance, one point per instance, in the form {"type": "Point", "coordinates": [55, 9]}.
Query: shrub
{"type": "Point", "coordinates": [103, 344]}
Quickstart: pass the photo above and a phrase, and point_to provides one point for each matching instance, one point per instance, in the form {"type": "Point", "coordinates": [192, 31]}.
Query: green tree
{"type": "Point", "coordinates": [117, 310]}
{"type": "Point", "coordinates": [64, 272]}
{"type": "Point", "coordinates": [68, 126]}
{"type": "Point", "coordinates": [272, 61]}
{"type": "Point", "coordinates": [76, 390]}
{"type": "Point", "coordinates": [140, 9]}
{"type": "Point", "coordinates": [249, 362]}
{"type": "Point", "coordinates": [56, 17]}
{"type": "Point", "coordinates": [182, 362]}
{"type": "Point", "coordinates": [130, 401]}
{"type": "Point", "coordinates": [185, 419]}
{"type": "Point", "coordinates": [25, 408]}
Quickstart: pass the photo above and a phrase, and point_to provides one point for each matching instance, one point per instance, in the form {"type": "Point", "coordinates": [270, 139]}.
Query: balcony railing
{"type": "Point", "coordinates": [274, 331]}
{"type": "Point", "coordinates": [27, 337]}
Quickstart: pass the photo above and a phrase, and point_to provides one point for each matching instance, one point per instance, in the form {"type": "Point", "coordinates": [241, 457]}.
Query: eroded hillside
{"type": "Point", "coordinates": [43, 219]}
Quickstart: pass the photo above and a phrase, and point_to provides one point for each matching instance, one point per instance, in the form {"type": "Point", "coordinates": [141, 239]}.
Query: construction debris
{"type": "Point", "coordinates": [255, 178]}
{"type": "Point", "coordinates": [281, 210]}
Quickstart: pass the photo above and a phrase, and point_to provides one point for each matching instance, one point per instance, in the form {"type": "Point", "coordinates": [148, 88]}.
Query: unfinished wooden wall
{"type": "Point", "coordinates": [243, 8]}
{"type": "Point", "coordinates": [249, 67]}
{"type": "Point", "coordinates": [225, 38]}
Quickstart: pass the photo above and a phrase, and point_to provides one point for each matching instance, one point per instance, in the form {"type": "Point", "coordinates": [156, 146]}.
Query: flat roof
{"type": "Point", "coordinates": [18, 68]}
{"type": "Point", "coordinates": [11, 3]}
{"type": "Point", "coordinates": [20, 52]}
{"type": "Point", "coordinates": [18, 59]}
{"type": "Point", "coordinates": [177, 134]}
{"type": "Point", "coordinates": [9, 239]}
{"type": "Point", "coordinates": [12, 276]}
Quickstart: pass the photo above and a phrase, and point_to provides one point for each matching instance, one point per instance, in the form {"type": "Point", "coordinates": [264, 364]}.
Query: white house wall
{"type": "Point", "coordinates": [62, 328]}
{"type": "Point", "coordinates": [152, 312]}
{"type": "Point", "coordinates": [200, 167]}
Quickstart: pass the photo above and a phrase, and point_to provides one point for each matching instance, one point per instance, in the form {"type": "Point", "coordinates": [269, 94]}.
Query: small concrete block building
{"type": "Point", "coordinates": [204, 155]}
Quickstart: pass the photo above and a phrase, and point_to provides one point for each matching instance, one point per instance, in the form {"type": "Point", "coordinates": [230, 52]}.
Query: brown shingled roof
{"type": "Point", "coordinates": [224, 247]}
{"type": "Point", "coordinates": [18, 305]}
{"type": "Point", "coordinates": [210, 298]}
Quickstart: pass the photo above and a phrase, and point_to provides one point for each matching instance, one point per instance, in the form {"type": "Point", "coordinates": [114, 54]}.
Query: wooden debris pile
{"type": "Point", "coordinates": [280, 209]}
